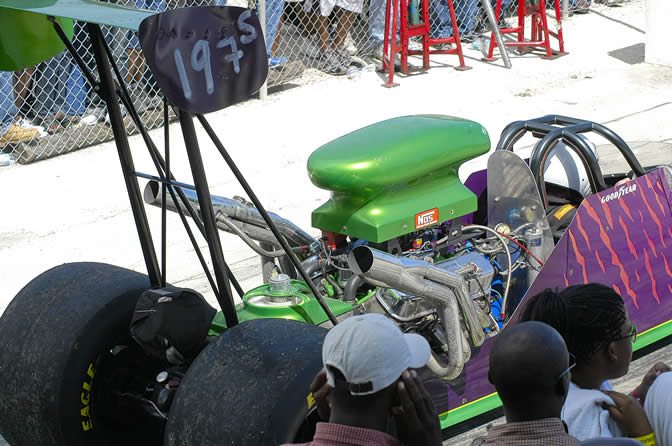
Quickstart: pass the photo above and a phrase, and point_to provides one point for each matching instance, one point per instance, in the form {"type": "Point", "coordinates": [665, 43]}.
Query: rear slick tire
{"type": "Point", "coordinates": [250, 387]}
{"type": "Point", "coordinates": [64, 341]}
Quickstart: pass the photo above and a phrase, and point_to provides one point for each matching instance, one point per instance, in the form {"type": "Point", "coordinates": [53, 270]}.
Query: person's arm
{"type": "Point", "coordinates": [628, 414]}
{"type": "Point", "coordinates": [643, 388]}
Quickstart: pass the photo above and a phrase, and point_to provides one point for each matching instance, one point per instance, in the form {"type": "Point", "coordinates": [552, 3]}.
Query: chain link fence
{"type": "Point", "coordinates": [49, 109]}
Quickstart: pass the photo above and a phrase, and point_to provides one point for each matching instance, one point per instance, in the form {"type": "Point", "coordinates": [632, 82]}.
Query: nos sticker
{"type": "Point", "coordinates": [426, 218]}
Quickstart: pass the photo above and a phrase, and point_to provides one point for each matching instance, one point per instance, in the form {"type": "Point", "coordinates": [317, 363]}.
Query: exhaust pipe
{"type": "Point", "coordinates": [459, 351]}
{"type": "Point", "coordinates": [244, 216]}
{"type": "Point", "coordinates": [419, 278]}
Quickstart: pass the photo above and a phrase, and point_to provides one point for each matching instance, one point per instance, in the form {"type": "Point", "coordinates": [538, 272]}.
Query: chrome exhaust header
{"type": "Point", "coordinates": [446, 289]}
{"type": "Point", "coordinates": [240, 213]}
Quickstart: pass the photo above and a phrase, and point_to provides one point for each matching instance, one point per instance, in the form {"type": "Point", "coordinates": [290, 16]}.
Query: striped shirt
{"type": "Point", "coordinates": [544, 432]}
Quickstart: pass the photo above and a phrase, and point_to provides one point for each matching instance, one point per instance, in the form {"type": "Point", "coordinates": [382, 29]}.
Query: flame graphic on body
{"type": "Point", "coordinates": [651, 244]}
{"type": "Point", "coordinates": [599, 260]}
{"type": "Point", "coordinates": [653, 279]}
{"type": "Point", "coordinates": [631, 246]}
{"type": "Point", "coordinates": [582, 230]}
{"type": "Point", "coordinates": [626, 209]}
{"type": "Point", "coordinates": [667, 266]}
{"type": "Point", "coordinates": [579, 258]}
{"type": "Point", "coordinates": [662, 209]}
{"type": "Point", "coordinates": [615, 260]}
{"type": "Point", "coordinates": [607, 213]}
{"type": "Point", "coordinates": [653, 214]}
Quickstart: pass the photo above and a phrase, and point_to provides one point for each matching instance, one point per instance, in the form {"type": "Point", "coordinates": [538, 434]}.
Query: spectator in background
{"type": "Point", "coordinates": [23, 81]}
{"type": "Point", "coordinates": [580, 6]}
{"type": "Point", "coordinates": [11, 132]}
{"type": "Point", "coordinates": [137, 65]}
{"type": "Point", "coordinates": [471, 18]}
{"type": "Point", "coordinates": [658, 405]}
{"type": "Point", "coordinates": [594, 322]}
{"type": "Point", "coordinates": [334, 57]}
{"type": "Point", "coordinates": [530, 368]}
{"type": "Point", "coordinates": [366, 360]}
{"type": "Point", "coordinates": [274, 11]}
{"type": "Point", "coordinates": [60, 93]}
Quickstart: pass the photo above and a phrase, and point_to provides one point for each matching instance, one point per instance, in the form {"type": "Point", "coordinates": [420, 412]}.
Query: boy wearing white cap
{"type": "Point", "coordinates": [366, 381]}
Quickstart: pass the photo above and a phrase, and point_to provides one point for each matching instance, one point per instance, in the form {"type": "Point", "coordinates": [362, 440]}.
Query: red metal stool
{"type": "Point", "coordinates": [540, 33]}
{"type": "Point", "coordinates": [408, 30]}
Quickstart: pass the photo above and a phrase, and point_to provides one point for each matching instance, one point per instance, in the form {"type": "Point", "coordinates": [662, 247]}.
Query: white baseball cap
{"type": "Point", "coordinates": [371, 352]}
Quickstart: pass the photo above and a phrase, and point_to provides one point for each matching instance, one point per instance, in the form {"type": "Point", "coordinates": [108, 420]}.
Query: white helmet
{"type": "Point", "coordinates": [564, 168]}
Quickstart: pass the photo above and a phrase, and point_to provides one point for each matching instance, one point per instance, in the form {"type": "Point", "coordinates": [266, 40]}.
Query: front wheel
{"type": "Point", "coordinates": [250, 387]}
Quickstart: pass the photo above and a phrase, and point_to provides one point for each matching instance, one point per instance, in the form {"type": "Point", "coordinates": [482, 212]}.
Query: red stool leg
{"type": "Point", "coordinates": [389, 58]}
{"type": "Point", "coordinates": [386, 39]}
{"type": "Point", "coordinates": [544, 27]}
{"type": "Point", "coordinates": [522, 12]}
{"type": "Point", "coordinates": [403, 35]}
{"type": "Point", "coordinates": [456, 35]}
{"type": "Point", "coordinates": [425, 37]}
{"type": "Point", "coordinates": [535, 32]}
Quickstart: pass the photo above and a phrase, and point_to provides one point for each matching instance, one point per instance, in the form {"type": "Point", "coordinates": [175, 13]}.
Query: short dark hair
{"type": "Point", "coordinates": [346, 399]}
{"type": "Point", "coordinates": [587, 316]}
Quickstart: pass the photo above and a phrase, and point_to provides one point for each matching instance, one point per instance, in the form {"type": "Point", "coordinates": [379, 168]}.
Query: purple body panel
{"type": "Point", "coordinates": [477, 183]}
{"type": "Point", "coordinates": [621, 237]}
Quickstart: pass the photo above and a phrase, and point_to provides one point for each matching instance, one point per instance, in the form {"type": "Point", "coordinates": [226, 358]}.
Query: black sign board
{"type": "Point", "coordinates": [205, 58]}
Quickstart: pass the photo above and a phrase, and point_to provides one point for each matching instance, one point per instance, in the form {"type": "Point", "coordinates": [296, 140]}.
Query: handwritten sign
{"type": "Point", "coordinates": [205, 58]}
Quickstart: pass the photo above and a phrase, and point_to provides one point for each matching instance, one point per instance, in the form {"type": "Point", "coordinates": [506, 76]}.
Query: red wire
{"type": "Point", "coordinates": [519, 244]}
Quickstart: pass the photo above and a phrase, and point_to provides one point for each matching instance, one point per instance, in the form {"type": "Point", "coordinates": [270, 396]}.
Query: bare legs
{"type": "Point", "coordinates": [136, 65]}
{"type": "Point", "coordinates": [22, 83]}
{"type": "Point", "coordinates": [344, 21]}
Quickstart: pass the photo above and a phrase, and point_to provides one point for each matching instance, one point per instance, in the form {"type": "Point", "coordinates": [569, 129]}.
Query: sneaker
{"type": "Point", "coordinates": [310, 48]}
{"type": "Point", "coordinates": [94, 116]}
{"type": "Point", "coordinates": [331, 63]}
{"type": "Point", "coordinates": [349, 45]}
{"type": "Point", "coordinates": [344, 56]}
{"type": "Point", "coordinates": [124, 113]}
{"type": "Point", "coordinates": [17, 134]}
{"type": "Point", "coordinates": [28, 124]}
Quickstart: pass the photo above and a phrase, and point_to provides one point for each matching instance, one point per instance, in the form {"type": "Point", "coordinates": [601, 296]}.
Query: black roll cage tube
{"type": "Point", "coordinates": [568, 131]}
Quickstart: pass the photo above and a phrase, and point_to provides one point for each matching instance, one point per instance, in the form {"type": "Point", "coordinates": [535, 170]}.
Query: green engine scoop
{"type": "Point", "coordinates": [396, 176]}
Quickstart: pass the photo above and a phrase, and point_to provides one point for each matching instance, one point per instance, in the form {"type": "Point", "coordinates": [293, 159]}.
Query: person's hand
{"type": "Point", "coordinates": [649, 378]}
{"type": "Point", "coordinates": [417, 421]}
{"type": "Point", "coordinates": [320, 390]}
{"type": "Point", "coordinates": [628, 414]}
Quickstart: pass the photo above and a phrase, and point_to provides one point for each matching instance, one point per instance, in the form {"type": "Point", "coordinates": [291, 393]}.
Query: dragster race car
{"type": "Point", "coordinates": [96, 354]}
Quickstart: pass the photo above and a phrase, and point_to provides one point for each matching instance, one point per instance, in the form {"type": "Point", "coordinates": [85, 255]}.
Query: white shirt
{"type": "Point", "coordinates": [584, 416]}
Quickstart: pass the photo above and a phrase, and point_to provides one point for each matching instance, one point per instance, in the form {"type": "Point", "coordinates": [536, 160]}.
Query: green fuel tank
{"type": "Point", "coordinates": [396, 176]}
